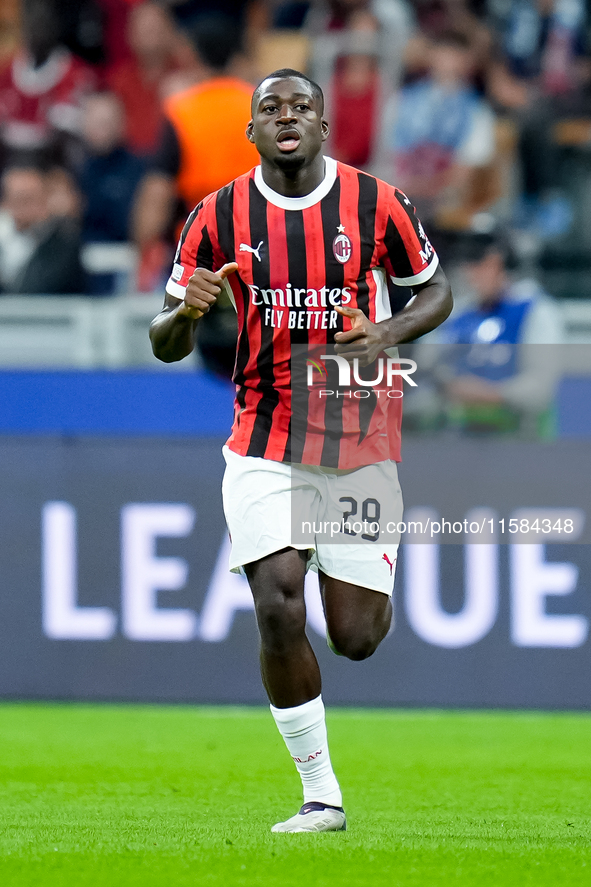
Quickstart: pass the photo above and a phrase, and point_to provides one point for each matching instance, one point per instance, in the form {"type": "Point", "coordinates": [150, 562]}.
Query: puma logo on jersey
{"type": "Point", "coordinates": [388, 561]}
{"type": "Point", "coordinates": [245, 248]}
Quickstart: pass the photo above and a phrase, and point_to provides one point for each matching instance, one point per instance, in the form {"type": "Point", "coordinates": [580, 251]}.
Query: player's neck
{"type": "Point", "coordinates": [296, 183]}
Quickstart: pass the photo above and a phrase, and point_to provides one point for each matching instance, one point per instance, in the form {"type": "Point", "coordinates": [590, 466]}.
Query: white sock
{"type": "Point", "coordinates": [304, 730]}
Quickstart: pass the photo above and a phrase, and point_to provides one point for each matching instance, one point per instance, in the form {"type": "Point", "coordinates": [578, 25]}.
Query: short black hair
{"type": "Point", "coordinates": [216, 38]}
{"type": "Point", "coordinates": [282, 74]}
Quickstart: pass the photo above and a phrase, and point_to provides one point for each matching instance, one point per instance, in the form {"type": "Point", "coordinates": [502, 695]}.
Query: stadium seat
{"type": "Point", "coordinates": [117, 259]}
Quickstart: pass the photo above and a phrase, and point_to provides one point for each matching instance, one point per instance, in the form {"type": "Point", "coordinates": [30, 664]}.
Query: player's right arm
{"type": "Point", "coordinates": [193, 285]}
{"type": "Point", "coordinates": [172, 332]}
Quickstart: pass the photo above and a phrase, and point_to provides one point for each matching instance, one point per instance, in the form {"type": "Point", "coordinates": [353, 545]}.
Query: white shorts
{"type": "Point", "coordinates": [346, 520]}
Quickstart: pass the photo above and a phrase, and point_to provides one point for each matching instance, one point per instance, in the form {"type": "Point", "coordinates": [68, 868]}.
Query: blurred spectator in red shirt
{"type": "Point", "coordinates": [357, 55]}
{"type": "Point", "coordinates": [355, 92]}
{"type": "Point", "coordinates": [161, 63]}
{"type": "Point", "coordinates": [115, 18]}
{"type": "Point", "coordinates": [41, 90]}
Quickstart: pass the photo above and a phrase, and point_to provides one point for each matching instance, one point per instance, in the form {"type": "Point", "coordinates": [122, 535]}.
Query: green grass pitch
{"type": "Point", "coordinates": [175, 796]}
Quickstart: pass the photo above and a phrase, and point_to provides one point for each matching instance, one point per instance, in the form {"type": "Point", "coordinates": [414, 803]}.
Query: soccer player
{"type": "Point", "coordinates": [308, 248]}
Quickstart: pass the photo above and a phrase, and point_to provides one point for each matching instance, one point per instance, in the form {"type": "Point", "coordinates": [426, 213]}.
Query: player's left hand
{"type": "Point", "coordinates": [363, 341]}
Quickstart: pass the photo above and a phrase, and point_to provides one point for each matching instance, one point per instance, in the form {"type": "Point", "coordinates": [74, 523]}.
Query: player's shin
{"type": "Point", "coordinates": [304, 730]}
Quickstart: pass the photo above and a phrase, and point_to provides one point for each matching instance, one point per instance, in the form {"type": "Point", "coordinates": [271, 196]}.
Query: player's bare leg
{"type": "Point", "coordinates": [357, 619]}
{"type": "Point", "coordinates": [288, 665]}
{"type": "Point", "coordinates": [292, 679]}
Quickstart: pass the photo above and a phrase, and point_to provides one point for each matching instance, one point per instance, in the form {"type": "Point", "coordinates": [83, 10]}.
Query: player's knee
{"type": "Point", "coordinates": [354, 645]}
{"type": "Point", "coordinates": [360, 649]}
{"type": "Point", "coordinates": [281, 618]}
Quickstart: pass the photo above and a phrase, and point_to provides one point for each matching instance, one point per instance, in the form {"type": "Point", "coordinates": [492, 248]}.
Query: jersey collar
{"type": "Point", "coordinates": [330, 174]}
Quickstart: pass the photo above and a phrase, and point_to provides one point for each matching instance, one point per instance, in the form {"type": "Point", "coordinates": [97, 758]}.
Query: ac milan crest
{"type": "Point", "coordinates": [341, 247]}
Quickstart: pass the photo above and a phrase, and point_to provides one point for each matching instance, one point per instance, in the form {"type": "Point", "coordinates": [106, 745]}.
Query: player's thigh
{"type": "Point", "coordinates": [257, 496]}
{"type": "Point", "coordinates": [277, 585]}
{"type": "Point", "coordinates": [368, 502]}
{"type": "Point", "coordinates": [280, 574]}
{"type": "Point", "coordinates": [357, 566]}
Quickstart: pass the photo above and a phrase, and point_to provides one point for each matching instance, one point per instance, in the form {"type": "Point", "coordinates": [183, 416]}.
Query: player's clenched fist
{"type": "Point", "coordinates": [203, 289]}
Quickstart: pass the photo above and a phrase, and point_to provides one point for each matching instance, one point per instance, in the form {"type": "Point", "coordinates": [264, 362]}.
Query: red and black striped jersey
{"type": "Point", "coordinates": [346, 243]}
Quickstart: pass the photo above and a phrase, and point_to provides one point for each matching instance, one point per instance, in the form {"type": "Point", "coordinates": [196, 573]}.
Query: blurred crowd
{"type": "Point", "coordinates": [118, 116]}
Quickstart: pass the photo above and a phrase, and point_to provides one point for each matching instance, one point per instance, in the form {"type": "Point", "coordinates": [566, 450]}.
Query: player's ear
{"type": "Point", "coordinates": [250, 132]}
{"type": "Point", "coordinates": [325, 130]}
